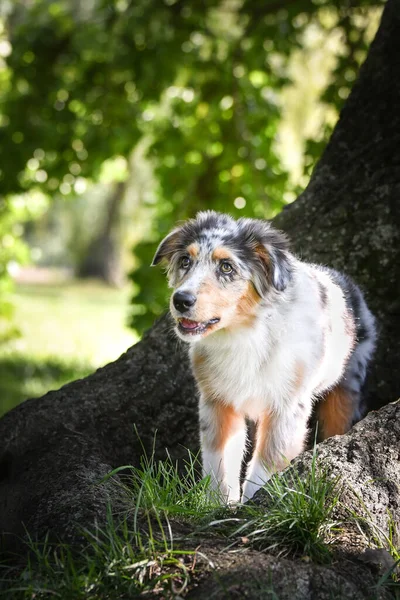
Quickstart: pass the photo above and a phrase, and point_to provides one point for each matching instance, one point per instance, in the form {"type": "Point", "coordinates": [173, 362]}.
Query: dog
{"type": "Point", "coordinates": [269, 336]}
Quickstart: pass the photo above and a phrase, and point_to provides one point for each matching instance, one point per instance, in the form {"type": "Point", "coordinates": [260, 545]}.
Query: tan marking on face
{"type": "Point", "coordinates": [246, 308]}
{"type": "Point", "coordinates": [227, 422]}
{"type": "Point", "coordinates": [335, 412]}
{"type": "Point", "coordinates": [213, 295]}
{"type": "Point", "coordinates": [213, 301]}
{"type": "Point", "coordinates": [222, 254]}
{"type": "Point", "coordinates": [235, 304]}
{"type": "Point", "coordinates": [193, 250]}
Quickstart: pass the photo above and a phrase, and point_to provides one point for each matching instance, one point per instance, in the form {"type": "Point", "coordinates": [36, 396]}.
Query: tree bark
{"type": "Point", "coordinates": [53, 449]}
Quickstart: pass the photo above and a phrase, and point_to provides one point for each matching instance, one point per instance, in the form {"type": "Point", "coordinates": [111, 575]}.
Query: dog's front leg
{"type": "Point", "coordinates": [279, 438]}
{"type": "Point", "coordinates": [223, 439]}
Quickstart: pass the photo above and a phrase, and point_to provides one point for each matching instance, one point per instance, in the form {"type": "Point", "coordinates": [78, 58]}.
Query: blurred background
{"type": "Point", "coordinates": [120, 117]}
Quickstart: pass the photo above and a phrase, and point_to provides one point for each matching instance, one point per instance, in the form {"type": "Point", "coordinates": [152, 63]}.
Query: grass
{"type": "Point", "coordinates": [166, 489]}
{"type": "Point", "coordinates": [390, 580]}
{"type": "Point", "coordinates": [126, 559]}
{"type": "Point", "coordinates": [139, 555]}
{"type": "Point", "coordinates": [388, 542]}
{"type": "Point", "coordinates": [77, 319]}
{"type": "Point", "coordinates": [118, 561]}
{"type": "Point", "coordinates": [298, 518]}
{"type": "Point", "coordinates": [66, 332]}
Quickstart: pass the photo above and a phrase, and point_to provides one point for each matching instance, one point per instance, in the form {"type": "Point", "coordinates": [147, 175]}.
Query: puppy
{"type": "Point", "coordinates": [269, 335]}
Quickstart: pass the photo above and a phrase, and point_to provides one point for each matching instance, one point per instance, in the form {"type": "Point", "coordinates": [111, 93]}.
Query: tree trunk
{"type": "Point", "coordinates": [53, 449]}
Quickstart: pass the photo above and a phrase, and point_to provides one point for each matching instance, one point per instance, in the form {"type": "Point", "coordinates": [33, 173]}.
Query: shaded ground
{"type": "Point", "coordinates": [255, 575]}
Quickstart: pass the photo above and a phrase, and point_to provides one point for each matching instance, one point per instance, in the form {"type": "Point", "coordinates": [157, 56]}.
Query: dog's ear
{"type": "Point", "coordinates": [167, 247]}
{"type": "Point", "coordinates": [271, 249]}
{"type": "Point", "coordinates": [278, 265]}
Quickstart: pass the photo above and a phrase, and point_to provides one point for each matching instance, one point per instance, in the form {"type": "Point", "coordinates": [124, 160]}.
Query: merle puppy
{"type": "Point", "coordinates": [268, 334]}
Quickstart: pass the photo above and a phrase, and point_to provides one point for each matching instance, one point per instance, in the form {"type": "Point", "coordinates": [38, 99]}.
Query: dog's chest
{"type": "Point", "coordinates": [250, 375]}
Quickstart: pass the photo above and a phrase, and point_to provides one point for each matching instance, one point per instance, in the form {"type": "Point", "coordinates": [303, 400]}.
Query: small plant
{"type": "Point", "coordinates": [299, 518]}
{"type": "Point", "coordinates": [391, 578]}
{"type": "Point", "coordinates": [117, 562]}
{"type": "Point", "coordinates": [393, 540]}
{"type": "Point", "coordinates": [165, 489]}
{"type": "Point", "coordinates": [387, 542]}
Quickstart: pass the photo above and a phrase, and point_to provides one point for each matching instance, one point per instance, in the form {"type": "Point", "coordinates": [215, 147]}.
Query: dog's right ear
{"type": "Point", "coordinates": [167, 248]}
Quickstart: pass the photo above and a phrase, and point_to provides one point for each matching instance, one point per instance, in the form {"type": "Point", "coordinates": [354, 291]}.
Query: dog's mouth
{"type": "Point", "coordinates": [190, 327]}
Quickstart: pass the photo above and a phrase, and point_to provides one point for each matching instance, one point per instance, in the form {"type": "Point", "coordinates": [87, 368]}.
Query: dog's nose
{"type": "Point", "coordinates": [183, 301]}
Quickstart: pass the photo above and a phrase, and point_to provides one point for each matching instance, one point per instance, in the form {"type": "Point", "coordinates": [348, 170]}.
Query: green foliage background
{"type": "Point", "coordinates": [201, 81]}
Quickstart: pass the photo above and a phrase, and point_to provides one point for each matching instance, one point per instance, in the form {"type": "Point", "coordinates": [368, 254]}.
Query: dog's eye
{"type": "Point", "coordinates": [226, 268]}
{"type": "Point", "coordinates": [185, 262]}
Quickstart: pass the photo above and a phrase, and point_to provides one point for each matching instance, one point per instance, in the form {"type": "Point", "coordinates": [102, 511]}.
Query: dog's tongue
{"type": "Point", "coordinates": [187, 324]}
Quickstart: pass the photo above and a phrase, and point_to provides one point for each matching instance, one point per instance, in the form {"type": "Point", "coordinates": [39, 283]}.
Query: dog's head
{"type": "Point", "coordinates": [221, 270]}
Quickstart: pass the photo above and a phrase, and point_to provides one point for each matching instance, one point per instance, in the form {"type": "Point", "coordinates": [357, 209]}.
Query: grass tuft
{"type": "Point", "coordinates": [298, 519]}
{"type": "Point", "coordinates": [388, 542]}
{"type": "Point", "coordinates": [166, 489]}
{"type": "Point", "coordinates": [117, 562]}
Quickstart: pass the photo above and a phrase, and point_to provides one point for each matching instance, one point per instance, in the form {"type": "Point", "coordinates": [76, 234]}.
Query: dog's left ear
{"type": "Point", "coordinates": [278, 266]}
{"type": "Point", "coordinates": [167, 247]}
{"type": "Point", "coordinates": [271, 249]}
